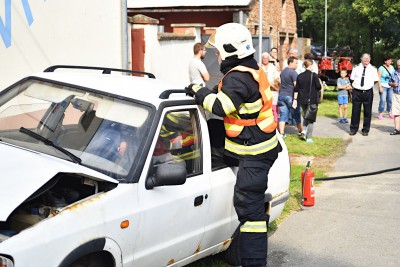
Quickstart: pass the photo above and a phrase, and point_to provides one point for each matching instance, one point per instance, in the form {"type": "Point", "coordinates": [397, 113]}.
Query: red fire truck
{"type": "Point", "coordinates": [337, 59]}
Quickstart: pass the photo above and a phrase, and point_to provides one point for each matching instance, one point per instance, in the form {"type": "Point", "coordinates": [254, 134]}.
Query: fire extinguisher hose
{"type": "Point", "coordinates": [353, 175]}
{"type": "Point", "coordinates": [304, 177]}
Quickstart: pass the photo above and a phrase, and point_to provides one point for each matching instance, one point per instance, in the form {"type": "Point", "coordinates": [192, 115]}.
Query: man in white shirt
{"type": "Point", "coordinates": [198, 73]}
{"type": "Point", "coordinates": [363, 78]}
{"type": "Point", "coordinates": [314, 66]}
{"type": "Point", "coordinates": [293, 52]}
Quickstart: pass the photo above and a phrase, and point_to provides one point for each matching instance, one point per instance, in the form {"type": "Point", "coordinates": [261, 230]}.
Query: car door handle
{"type": "Point", "coordinates": [198, 201]}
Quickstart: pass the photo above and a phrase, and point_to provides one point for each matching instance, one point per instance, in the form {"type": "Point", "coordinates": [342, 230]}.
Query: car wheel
{"type": "Point", "coordinates": [232, 254]}
{"type": "Point", "coordinates": [102, 259]}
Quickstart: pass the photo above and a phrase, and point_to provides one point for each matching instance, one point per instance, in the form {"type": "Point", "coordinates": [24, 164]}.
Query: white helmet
{"type": "Point", "coordinates": [232, 39]}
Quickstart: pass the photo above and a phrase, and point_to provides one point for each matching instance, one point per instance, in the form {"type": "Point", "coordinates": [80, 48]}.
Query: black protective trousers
{"type": "Point", "coordinates": [249, 199]}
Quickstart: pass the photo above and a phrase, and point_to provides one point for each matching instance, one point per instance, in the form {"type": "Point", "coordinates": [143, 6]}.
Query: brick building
{"type": "Point", "coordinates": [279, 17]}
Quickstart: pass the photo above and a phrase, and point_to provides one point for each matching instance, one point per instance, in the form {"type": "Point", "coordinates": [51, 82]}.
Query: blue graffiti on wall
{"type": "Point", "coordinates": [5, 27]}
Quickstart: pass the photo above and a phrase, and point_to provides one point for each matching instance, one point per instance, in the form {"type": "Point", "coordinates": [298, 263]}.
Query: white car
{"type": "Point", "coordinates": [101, 169]}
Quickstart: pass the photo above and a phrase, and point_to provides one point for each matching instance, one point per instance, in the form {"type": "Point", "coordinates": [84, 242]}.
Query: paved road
{"type": "Point", "coordinates": [355, 222]}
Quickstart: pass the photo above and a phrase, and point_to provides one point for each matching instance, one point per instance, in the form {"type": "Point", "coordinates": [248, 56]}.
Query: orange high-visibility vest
{"type": "Point", "coordinates": [265, 120]}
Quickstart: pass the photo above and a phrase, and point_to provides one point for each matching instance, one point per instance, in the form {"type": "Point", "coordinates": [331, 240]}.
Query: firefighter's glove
{"type": "Point", "coordinates": [192, 89]}
{"type": "Point", "coordinates": [215, 88]}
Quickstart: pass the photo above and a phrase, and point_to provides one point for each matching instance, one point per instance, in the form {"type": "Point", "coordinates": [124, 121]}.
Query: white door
{"type": "Point", "coordinates": [172, 218]}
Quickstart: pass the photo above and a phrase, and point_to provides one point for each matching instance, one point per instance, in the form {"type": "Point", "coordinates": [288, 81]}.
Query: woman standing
{"type": "Point", "coordinates": [395, 83]}
{"type": "Point", "coordinates": [306, 93]}
{"type": "Point", "coordinates": [385, 90]}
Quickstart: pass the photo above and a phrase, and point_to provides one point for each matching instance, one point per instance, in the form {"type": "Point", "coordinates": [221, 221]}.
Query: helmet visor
{"type": "Point", "coordinates": [211, 41]}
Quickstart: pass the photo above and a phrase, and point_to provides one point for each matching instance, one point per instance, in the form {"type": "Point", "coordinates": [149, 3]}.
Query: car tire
{"type": "Point", "coordinates": [94, 260]}
{"type": "Point", "coordinates": [232, 254]}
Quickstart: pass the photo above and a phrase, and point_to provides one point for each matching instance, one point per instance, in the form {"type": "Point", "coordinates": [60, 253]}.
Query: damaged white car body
{"type": "Point", "coordinates": [88, 178]}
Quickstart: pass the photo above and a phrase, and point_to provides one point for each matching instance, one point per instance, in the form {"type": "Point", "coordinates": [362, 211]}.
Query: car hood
{"type": "Point", "coordinates": [25, 171]}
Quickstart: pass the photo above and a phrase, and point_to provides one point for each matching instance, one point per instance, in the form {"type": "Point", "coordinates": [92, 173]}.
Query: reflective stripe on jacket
{"type": "Point", "coordinates": [265, 121]}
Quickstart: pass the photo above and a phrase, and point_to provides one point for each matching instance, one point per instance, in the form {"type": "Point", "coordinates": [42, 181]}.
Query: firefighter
{"type": "Point", "coordinates": [244, 100]}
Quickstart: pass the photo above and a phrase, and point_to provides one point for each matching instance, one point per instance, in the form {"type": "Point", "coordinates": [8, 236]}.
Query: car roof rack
{"type": "Point", "coordinates": [167, 93]}
{"type": "Point", "coordinates": [105, 70]}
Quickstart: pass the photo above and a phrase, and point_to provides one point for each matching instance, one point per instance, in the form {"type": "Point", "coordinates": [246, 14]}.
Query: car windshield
{"type": "Point", "coordinates": [98, 131]}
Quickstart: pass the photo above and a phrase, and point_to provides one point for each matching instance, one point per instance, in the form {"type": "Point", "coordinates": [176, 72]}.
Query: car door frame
{"type": "Point", "coordinates": [171, 225]}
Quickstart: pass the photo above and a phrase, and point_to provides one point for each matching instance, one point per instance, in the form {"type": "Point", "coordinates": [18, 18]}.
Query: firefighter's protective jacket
{"type": "Point", "coordinates": [244, 99]}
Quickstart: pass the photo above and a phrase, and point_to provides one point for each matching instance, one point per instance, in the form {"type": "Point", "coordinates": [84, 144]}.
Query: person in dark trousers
{"type": "Point", "coordinates": [285, 98]}
{"type": "Point", "coordinates": [244, 100]}
{"type": "Point", "coordinates": [363, 78]}
{"type": "Point", "coordinates": [303, 93]}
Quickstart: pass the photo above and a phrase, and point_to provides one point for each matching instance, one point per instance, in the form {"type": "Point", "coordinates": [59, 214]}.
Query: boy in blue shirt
{"type": "Point", "coordinates": [343, 85]}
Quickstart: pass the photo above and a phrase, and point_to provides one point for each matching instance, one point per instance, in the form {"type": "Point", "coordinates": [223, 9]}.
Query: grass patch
{"type": "Point", "coordinates": [329, 106]}
{"type": "Point", "coordinates": [321, 147]}
{"type": "Point", "coordinates": [294, 202]}
{"type": "Point", "coordinates": [324, 150]}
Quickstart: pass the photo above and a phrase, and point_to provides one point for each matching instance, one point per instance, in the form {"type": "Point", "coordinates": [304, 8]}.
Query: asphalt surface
{"type": "Point", "coordinates": [354, 222]}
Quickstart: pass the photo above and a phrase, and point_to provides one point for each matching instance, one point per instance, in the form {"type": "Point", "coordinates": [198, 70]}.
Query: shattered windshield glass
{"type": "Point", "coordinates": [105, 133]}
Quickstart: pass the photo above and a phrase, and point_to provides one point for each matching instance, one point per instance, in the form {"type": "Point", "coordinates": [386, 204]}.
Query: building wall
{"type": "Point", "coordinates": [279, 21]}
{"type": "Point", "coordinates": [175, 56]}
{"type": "Point", "coordinates": [210, 19]}
{"type": "Point", "coordinates": [167, 59]}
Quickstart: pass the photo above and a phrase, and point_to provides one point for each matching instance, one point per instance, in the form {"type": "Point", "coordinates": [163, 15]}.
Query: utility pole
{"type": "Point", "coordinates": [326, 25]}
{"type": "Point", "coordinates": [260, 32]}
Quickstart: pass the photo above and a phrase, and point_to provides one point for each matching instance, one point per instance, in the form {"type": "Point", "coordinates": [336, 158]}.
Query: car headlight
{"type": "Point", "coordinates": [5, 262]}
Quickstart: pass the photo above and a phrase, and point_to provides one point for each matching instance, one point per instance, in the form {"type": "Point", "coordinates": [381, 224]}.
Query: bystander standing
{"type": "Point", "coordinates": [306, 91]}
{"type": "Point", "coordinates": [395, 83]}
{"type": "Point", "coordinates": [285, 99]}
{"type": "Point", "coordinates": [198, 73]}
{"type": "Point", "coordinates": [343, 86]}
{"type": "Point", "coordinates": [364, 76]}
{"type": "Point", "coordinates": [274, 58]}
{"type": "Point", "coordinates": [385, 91]}
{"type": "Point", "coordinates": [273, 79]}
{"type": "Point", "coordinates": [293, 52]}
{"type": "Point", "coordinates": [314, 64]}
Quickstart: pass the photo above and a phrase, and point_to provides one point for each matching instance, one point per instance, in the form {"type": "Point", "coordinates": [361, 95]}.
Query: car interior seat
{"type": "Point", "coordinates": [106, 142]}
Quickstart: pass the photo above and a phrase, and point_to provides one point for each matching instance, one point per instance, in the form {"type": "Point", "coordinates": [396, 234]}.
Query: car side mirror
{"type": "Point", "coordinates": [167, 174]}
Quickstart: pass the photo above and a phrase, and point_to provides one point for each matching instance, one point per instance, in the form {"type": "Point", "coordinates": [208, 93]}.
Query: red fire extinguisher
{"type": "Point", "coordinates": [307, 184]}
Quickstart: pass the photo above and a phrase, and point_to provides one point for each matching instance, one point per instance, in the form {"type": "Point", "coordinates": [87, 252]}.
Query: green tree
{"type": "Point", "coordinates": [384, 18]}
{"type": "Point", "coordinates": [364, 25]}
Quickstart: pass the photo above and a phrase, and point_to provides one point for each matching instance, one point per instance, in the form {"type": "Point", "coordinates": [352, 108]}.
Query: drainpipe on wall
{"type": "Point", "coordinates": [125, 47]}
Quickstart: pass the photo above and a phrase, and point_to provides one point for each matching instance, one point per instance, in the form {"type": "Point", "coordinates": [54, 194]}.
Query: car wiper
{"type": "Point", "coordinates": [50, 143]}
